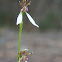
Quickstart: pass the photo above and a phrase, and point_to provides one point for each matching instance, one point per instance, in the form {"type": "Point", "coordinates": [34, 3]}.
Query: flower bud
{"type": "Point", "coordinates": [24, 9]}
{"type": "Point", "coordinates": [24, 58]}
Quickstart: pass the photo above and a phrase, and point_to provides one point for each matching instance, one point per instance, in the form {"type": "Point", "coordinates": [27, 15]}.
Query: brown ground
{"type": "Point", "coordinates": [47, 47]}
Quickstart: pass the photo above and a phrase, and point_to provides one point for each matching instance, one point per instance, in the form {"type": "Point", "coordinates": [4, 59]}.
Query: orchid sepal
{"type": "Point", "coordinates": [19, 18]}
{"type": "Point", "coordinates": [31, 20]}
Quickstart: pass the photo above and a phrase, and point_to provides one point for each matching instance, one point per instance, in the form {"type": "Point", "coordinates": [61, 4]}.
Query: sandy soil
{"type": "Point", "coordinates": [47, 47]}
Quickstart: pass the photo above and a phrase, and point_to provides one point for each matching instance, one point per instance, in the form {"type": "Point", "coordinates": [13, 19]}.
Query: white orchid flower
{"type": "Point", "coordinates": [25, 9]}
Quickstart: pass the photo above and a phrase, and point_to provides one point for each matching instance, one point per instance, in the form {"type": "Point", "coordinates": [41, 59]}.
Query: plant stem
{"type": "Point", "coordinates": [20, 30]}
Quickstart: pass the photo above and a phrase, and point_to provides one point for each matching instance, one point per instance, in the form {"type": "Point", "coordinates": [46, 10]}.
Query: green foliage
{"type": "Point", "coordinates": [7, 19]}
{"type": "Point", "coordinates": [51, 21]}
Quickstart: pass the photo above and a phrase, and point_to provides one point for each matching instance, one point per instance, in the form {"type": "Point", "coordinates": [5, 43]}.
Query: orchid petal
{"type": "Point", "coordinates": [25, 50]}
{"type": "Point", "coordinates": [25, 61]}
{"type": "Point", "coordinates": [19, 18]}
{"type": "Point", "coordinates": [31, 19]}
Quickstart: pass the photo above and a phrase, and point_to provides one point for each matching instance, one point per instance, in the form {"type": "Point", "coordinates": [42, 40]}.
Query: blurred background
{"type": "Point", "coordinates": [45, 42]}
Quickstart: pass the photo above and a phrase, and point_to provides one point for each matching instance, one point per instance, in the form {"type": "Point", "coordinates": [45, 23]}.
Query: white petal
{"type": "Point", "coordinates": [19, 18]}
{"type": "Point", "coordinates": [25, 49]}
{"type": "Point", "coordinates": [25, 61]}
{"type": "Point", "coordinates": [31, 20]}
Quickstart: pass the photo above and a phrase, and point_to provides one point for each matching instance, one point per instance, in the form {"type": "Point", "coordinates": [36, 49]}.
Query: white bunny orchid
{"type": "Point", "coordinates": [25, 9]}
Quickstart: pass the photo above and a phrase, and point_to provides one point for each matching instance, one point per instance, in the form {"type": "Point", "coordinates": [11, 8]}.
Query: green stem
{"type": "Point", "coordinates": [20, 30]}
{"type": "Point", "coordinates": [19, 37]}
